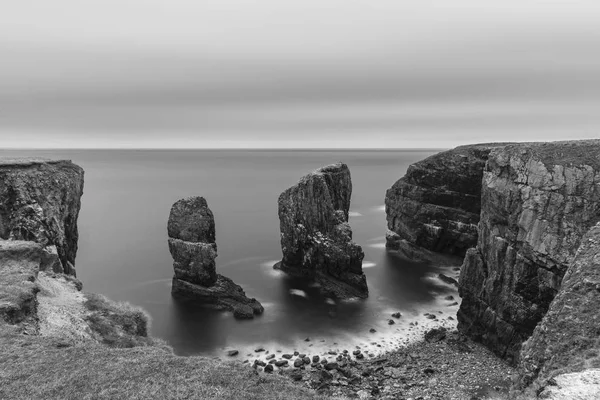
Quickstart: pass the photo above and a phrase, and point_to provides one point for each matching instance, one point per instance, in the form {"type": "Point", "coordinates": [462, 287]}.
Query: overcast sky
{"type": "Point", "coordinates": [303, 73]}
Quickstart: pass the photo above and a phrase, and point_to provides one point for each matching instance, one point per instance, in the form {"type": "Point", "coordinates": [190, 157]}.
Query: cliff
{"type": "Point", "coordinates": [567, 340]}
{"type": "Point", "coordinates": [436, 205]}
{"type": "Point", "coordinates": [316, 239]}
{"type": "Point", "coordinates": [40, 202]}
{"type": "Point", "coordinates": [192, 243]}
{"type": "Point", "coordinates": [537, 202]}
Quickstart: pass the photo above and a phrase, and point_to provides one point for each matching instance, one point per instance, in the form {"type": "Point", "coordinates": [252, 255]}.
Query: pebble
{"type": "Point", "coordinates": [232, 353]}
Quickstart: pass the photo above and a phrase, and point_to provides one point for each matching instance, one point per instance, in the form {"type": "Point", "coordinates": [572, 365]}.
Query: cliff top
{"type": "Point", "coordinates": [28, 161]}
{"type": "Point", "coordinates": [577, 152]}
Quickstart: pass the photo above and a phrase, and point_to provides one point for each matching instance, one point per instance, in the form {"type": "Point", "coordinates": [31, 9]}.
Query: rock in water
{"type": "Point", "coordinates": [567, 338]}
{"type": "Point", "coordinates": [436, 205]}
{"type": "Point", "coordinates": [316, 239]}
{"type": "Point", "coordinates": [537, 202]}
{"type": "Point", "coordinates": [40, 201]}
{"type": "Point", "coordinates": [191, 229]}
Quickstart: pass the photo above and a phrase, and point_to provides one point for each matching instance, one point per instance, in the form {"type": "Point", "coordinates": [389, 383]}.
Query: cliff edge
{"type": "Point", "coordinates": [537, 202]}
{"type": "Point", "coordinates": [40, 201]}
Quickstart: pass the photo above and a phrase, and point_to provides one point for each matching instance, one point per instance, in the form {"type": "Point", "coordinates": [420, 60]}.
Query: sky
{"type": "Point", "coordinates": [297, 74]}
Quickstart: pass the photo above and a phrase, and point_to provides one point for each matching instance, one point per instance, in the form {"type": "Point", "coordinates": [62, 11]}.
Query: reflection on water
{"type": "Point", "coordinates": [123, 250]}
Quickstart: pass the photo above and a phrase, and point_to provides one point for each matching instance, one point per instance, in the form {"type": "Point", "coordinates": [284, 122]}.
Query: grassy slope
{"type": "Point", "coordinates": [129, 365]}
{"type": "Point", "coordinates": [30, 369]}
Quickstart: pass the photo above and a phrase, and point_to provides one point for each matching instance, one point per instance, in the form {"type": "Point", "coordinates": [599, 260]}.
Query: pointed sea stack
{"type": "Point", "coordinates": [191, 230]}
{"type": "Point", "coordinates": [316, 239]}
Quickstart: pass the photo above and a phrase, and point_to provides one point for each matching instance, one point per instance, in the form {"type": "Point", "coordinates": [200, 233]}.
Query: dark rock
{"type": "Point", "coordinates": [260, 363]}
{"type": "Point", "coordinates": [449, 298]}
{"type": "Point", "coordinates": [372, 330]}
{"type": "Point", "coordinates": [316, 359]}
{"type": "Point", "coordinates": [306, 360]}
{"type": "Point", "coordinates": [298, 362]}
{"type": "Point", "coordinates": [331, 366]}
{"type": "Point", "coordinates": [258, 350]}
{"type": "Point", "coordinates": [391, 322]}
{"type": "Point", "coordinates": [566, 340]}
{"type": "Point", "coordinates": [307, 339]}
{"type": "Point", "coordinates": [287, 356]}
{"type": "Point", "coordinates": [447, 279]}
{"type": "Point", "coordinates": [316, 238]}
{"type": "Point", "coordinates": [538, 200]}
{"type": "Point", "coordinates": [40, 201]}
{"type": "Point", "coordinates": [191, 229]}
{"type": "Point", "coordinates": [396, 315]}
{"type": "Point", "coordinates": [296, 376]}
{"type": "Point", "coordinates": [360, 356]}
{"type": "Point", "coordinates": [270, 356]}
{"type": "Point", "coordinates": [436, 334]}
{"type": "Point", "coordinates": [356, 352]}
{"type": "Point", "coordinates": [326, 375]}
{"type": "Point", "coordinates": [269, 368]}
{"type": "Point", "coordinates": [429, 371]}
{"type": "Point", "coordinates": [232, 353]}
{"type": "Point", "coordinates": [436, 204]}
{"type": "Point", "coordinates": [281, 363]}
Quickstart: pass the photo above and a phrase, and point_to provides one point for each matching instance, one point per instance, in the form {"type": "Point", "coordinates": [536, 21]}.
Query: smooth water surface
{"type": "Point", "coordinates": [123, 250]}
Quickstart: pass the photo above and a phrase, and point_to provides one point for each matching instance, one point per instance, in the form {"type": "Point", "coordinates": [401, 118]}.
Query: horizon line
{"type": "Point", "coordinates": [230, 148]}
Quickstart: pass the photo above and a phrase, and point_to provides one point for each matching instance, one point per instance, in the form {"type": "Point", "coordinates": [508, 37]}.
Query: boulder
{"type": "Point", "coordinates": [191, 229]}
{"type": "Point", "coordinates": [40, 201]}
{"type": "Point", "coordinates": [537, 202]}
{"type": "Point", "coordinates": [316, 239]}
{"type": "Point", "coordinates": [436, 205]}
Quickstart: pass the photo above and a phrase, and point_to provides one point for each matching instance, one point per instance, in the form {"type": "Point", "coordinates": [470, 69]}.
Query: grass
{"type": "Point", "coordinates": [31, 368]}
{"type": "Point", "coordinates": [124, 363]}
{"type": "Point", "coordinates": [117, 324]}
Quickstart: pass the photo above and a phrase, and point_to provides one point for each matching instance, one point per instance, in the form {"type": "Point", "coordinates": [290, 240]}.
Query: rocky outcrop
{"type": "Point", "coordinates": [568, 337]}
{"type": "Point", "coordinates": [537, 202]}
{"type": "Point", "coordinates": [40, 202]}
{"type": "Point", "coordinates": [316, 239]}
{"type": "Point", "coordinates": [436, 205]}
{"type": "Point", "coordinates": [191, 229]}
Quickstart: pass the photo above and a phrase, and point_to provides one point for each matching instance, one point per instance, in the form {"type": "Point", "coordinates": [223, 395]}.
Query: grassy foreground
{"type": "Point", "coordinates": [118, 360]}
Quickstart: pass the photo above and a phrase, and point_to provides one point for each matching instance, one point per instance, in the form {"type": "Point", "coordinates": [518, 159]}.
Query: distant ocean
{"type": "Point", "coordinates": [123, 250]}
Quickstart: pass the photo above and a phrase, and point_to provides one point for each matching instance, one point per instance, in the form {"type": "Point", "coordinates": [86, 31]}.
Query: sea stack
{"type": "Point", "coordinates": [39, 202]}
{"type": "Point", "coordinates": [316, 239]}
{"type": "Point", "coordinates": [192, 243]}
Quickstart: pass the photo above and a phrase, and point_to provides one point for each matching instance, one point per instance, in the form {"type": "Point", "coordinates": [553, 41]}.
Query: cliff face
{"type": "Point", "coordinates": [537, 202]}
{"type": "Point", "coordinates": [436, 205]}
{"type": "Point", "coordinates": [568, 337]}
{"type": "Point", "coordinates": [40, 202]}
{"type": "Point", "coordinates": [316, 239]}
{"type": "Point", "coordinates": [191, 229]}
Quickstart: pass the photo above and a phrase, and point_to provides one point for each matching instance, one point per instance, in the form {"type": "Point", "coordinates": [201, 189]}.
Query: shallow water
{"type": "Point", "coordinates": [123, 250]}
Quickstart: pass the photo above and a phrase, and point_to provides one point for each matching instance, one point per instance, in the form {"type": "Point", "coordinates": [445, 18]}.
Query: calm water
{"type": "Point", "coordinates": [123, 250]}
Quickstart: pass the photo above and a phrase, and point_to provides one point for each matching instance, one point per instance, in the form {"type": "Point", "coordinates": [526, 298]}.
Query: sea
{"type": "Point", "coordinates": [123, 252]}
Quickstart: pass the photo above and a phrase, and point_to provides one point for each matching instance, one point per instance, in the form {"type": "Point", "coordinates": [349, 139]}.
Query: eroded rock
{"type": "Point", "coordinates": [316, 239]}
{"type": "Point", "coordinates": [191, 229]}
{"type": "Point", "coordinates": [40, 201]}
{"type": "Point", "coordinates": [436, 205]}
{"type": "Point", "coordinates": [537, 202]}
{"type": "Point", "coordinates": [568, 337]}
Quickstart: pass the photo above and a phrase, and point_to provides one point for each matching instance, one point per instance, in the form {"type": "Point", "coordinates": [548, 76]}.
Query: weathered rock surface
{"type": "Point", "coordinates": [436, 205]}
{"type": "Point", "coordinates": [316, 239]}
{"type": "Point", "coordinates": [568, 337]}
{"type": "Point", "coordinates": [19, 266]}
{"type": "Point", "coordinates": [191, 229]}
{"type": "Point", "coordinates": [583, 385]}
{"type": "Point", "coordinates": [537, 202]}
{"type": "Point", "coordinates": [40, 202]}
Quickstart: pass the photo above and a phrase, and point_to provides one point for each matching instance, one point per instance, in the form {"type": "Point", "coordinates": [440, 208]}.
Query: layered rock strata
{"type": "Point", "coordinates": [567, 339]}
{"type": "Point", "coordinates": [537, 202]}
{"type": "Point", "coordinates": [191, 230]}
{"type": "Point", "coordinates": [316, 239]}
{"type": "Point", "coordinates": [40, 201]}
{"type": "Point", "coordinates": [436, 205]}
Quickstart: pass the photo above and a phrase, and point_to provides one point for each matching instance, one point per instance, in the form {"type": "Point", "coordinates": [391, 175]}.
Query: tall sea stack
{"type": "Point", "coordinates": [316, 239]}
{"type": "Point", "coordinates": [191, 229]}
{"type": "Point", "coordinates": [40, 201]}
